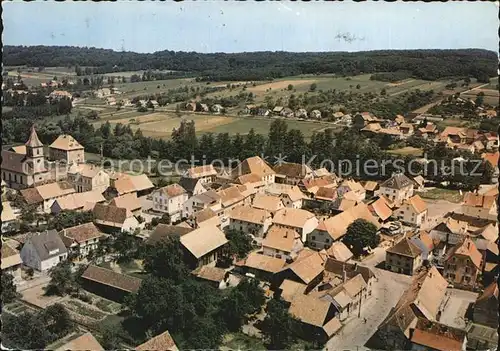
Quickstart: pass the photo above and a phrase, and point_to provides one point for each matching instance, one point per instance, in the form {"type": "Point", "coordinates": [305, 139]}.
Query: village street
{"type": "Point", "coordinates": [385, 294]}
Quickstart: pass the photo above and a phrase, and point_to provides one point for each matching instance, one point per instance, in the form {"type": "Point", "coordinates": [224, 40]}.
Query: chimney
{"type": "Point", "coordinates": [344, 274]}
{"type": "Point", "coordinates": [355, 267]}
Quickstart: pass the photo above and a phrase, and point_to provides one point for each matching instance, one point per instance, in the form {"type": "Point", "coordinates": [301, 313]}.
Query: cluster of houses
{"type": "Point", "coordinates": [297, 217]}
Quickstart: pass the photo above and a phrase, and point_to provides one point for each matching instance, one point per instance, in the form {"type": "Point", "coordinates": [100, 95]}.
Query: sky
{"type": "Point", "coordinates": [220, 26]}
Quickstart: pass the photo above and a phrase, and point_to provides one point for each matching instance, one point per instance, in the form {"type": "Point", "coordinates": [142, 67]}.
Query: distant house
{"type": "Point", "coordinates": [87, 177]}
{"type": "Point", "coordinates": [406, 129]}
{"type": "Point", "coordinates": [315, 114]}
{"type": "Point", "coordinates": [370, 188]}
{"type": "Point", "coordinates": [109, 284]}
{"type": "Point", "coordinates": [404, 257]}
{"type": "Point", "coordinates": [290, 195]}
{"type": "Point", "coordinates": [270, 203]}
{"type": "Point", "coordinates": [282, 243]}
{"type": "Point", "coordinates": [463, 264]}
{"type": "Point", "coordinates": [204, 108]}
{"type": "Point", "coordinates": [250, 220]}
{"type": "Point", "coordinates": [217, 108]}
{"type": "Point", "coordinates": [292, 173]}
{"type": "Point", "coordinates": [287, 112]}
{"type": "Point", "coordinates": [190, 106]}
{"type": "Point", "coordinates": [203, 246]}
{"type": "Point", "coordinates": [170, 199]}
{"type": "Point", "coordinates": [206, 173]}
{"type": "Point", "coordinates": [160, 342]}
{"type": "Point", "coordinates": [381, 209]}
{"type": "Point", "coordinates": [81, 239]}
{"type": "Point", "coordinates": [397, 188]}
{"type": "Point", "coordinates": [412, 211]}
{"type": "Point", "coordinates": [304, 222]}
{"type": "Point", "coordinates": [349, 185]}
{"type": "Point", "coordinates": [301, 113]}
{"type": "Point", "coordinates": [11, 261]}
{"type": "Point", "coordinates": [479, 206]}
{"type": "Point", "coordinates": [206, 200]}
{"type": "Point", "coordinates": [101, 93]}
{"type": "Point", "coordinates": [338, 115]}
{"type": "Point", "coordinates": [277, 110]}
{"type": "Point", "coordinates": [43, 251]}
{"type": "Point", "coordinates": [257, 166]}
{"type": "Point", "coordinates": [193, 186]}
{"type": "Point", "coordinates": [112, 218]}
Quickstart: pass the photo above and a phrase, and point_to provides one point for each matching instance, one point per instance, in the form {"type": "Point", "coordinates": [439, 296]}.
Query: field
{"type": "Point", "coordinates": [31, 76]}
{"type": "Point", "coordinates": [408, 150]}
{"type": "Point", "coordinates": [491, 96]}
{"type": "Point", "coordinates": [160, 124]}
{"type": "Point", "coordinates": [442, 194]}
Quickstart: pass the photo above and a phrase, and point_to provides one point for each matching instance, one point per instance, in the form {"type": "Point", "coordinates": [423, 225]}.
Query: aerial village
{"type": "Point", "coordinates": [351, 261]}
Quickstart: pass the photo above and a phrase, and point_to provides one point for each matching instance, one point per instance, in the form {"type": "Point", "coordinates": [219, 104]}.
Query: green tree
{"type": "Point", "coordinates": [290, 87]}
{"type": "Point", "coordinates": [361, 234]}
{"type": "Point", "coordinates": [61, 279]}
{"type": "Point", "coordinates": [57, 320]}
{"type": "Point", "coordinates": [125, 245]}
{"type": "Point", "coordinates": [277, 137]}
{"type": "Point", "coordinates": [383, 92]}
{"type": "Point", "coordinates": [479, 99]}
{"type": "Point", "coordinates": [110, 338]}
{"type": "Point", "coordinates": [240, 243]}
{"type": "Point", "coordinates": [26, 331]}
{"type": "Point", "coordinates": [358, 86]}
{"type": "Point", "coordinates": [279, 326]}
{"type": "Point", "coordinates": [9, 292]}
{"type": "Point", "coordinates": [165, 259]}
{"type": "Point", "coordinates": [313, 87]}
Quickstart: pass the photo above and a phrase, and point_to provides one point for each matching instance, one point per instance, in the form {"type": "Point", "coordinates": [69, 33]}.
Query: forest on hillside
{"type": "Point", "coordinates": [421, 64]}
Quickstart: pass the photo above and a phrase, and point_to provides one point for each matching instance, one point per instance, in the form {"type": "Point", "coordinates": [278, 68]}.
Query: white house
{"type": "Point", "coordinates": [209, 199]}
{"type": "Point", "coordinates": [87, 177]}
{"type": "Point", "coordinates": [43, 251]}
{"type": "Point", "coordinates": [300, 220]}
{"type": "Point", "coordinates": [282, 243]}
{"type": "Point", "coordinates": [250, 220]}
{"type": "Point", "coordinates": [412, 211]}
{"type": "Point", "coordinates": [397, 188]}
{"type": "Point", "coordinates": [170, 199]}
{"type": "Point", "coordinates": [290, 195]}
{"type": "Point", "coordinates": [81, 239]}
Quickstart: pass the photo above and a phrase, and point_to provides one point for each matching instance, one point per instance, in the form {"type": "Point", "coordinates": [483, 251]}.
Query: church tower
{"type": "Point", "coordinates": [34, 152]}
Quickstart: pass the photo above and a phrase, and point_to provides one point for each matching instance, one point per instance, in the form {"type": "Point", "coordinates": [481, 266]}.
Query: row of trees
{"type": "Point", "coordinates": [422, 64]}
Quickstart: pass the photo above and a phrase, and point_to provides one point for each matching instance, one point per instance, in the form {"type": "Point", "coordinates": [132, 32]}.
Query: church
{"type": "Point", "coordinates": [27, 166]}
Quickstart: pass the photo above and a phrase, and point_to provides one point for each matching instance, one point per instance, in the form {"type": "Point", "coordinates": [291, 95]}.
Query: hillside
{"type": "Point", "coordinates": [420, 64]}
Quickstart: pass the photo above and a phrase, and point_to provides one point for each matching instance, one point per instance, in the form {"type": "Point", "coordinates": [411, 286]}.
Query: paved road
{"type": "Point", "coordinates": [385, 294]}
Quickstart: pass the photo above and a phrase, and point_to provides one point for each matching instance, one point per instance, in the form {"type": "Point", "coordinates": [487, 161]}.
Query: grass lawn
{"type": "Point", "coordinates": [442, 194]}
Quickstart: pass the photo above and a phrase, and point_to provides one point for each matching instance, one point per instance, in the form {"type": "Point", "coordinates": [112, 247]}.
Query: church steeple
{"type": "Point", "coordinates": [33, 140]}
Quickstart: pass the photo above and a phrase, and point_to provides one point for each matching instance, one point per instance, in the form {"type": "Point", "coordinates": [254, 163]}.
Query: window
{"type": "Point", "coordinates": [327, 240]}
{"type": "Point", "coordinates": [313, 237]}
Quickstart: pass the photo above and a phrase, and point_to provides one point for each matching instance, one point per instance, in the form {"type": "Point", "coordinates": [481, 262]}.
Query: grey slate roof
{"type": "Point", "coordinates": [188, 184]}
{"type": "Point", "coordinates": [46, 242]}
{"type": "Point", "coordinates": [397, 181]}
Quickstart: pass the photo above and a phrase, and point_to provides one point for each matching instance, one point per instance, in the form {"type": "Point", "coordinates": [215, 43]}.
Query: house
{"type": "Point", "coordinates": [334, 228]}
{"type": "Point", "coordinates": [9, 218]}
{"type": "Point", "coordinates": [287, 112]}
{"type": "Point", "coordinates": [127, 183]}
{"type": "Point", "coordinates": [344, 271]}
{"type": "Point", "coordinates": [128, 201]}
{"type": "Point", "coordinates": [428, 132]}
{"type": "Point", "coordinates": [381, 209]}
{"type": "Point", "coordinates": [205, 217]}
{"type": "Point", "coordinates": [301, 113]}
{"type": "Point", "coordinates": [203, 246]}
{"type": "Point", "coordinates": [480, 337]}
{"type": "Point", "coordinates": [60, 94]}
{"type": "Point", "coordinates": [270, 203]}
{"type": "Point", "coordinates": [87, 177]}
{"type": "Point", "coordinates": [307, 269]}
{"type": "Point", "coordinates": [406, 129]}
{"type": "Point", "coordinates": [193, 186]}
{"type": "Point", "coordinates": [397, 188]}
{"type": "Point", "coordinates": [485, 309]}
{"type": "Point", "coordinates": [112, 218]}
{"type": "Point", "coordinates": [263, 267]}
{"type": "Point", "coordinates": [264, 112]}
{"type": "Point", "coordinates": [326, 195]}
{"type": "Point", "coordinates": [338, 115]}
{"type": "Point", "coordinates": [300, 220]}
{"type": "Point", "coordinates": [430, 335]}
{"type": "Point", "coordinates": [257, 166]}
{"type": "Point", "coordinates": [103, 92]}
{"type": "Point", "coordinates": [282, 243]}
{"type": "Point", "coordinates": [215, 276]}
{"type": "Point", "coordinates": [165, 232]}
{"type": "Point", "coordinates": [22, 170]}
{"type": "Point", "coordinates": [43, 251]}
{"type": "Point", "coordinates": [479, 206]}
{"type": "Point", "coordinates": [316, 317]}
{"type": "Point", "coordinates": [45, 195]}
{"type": "Point", "coordinates": [339, 251]}
{"type": "Point", "coordinates": [209, 199]}
{"type": "Point", "coordinates": [315, 114]}
{"type": "Point", "coordinates": [77, 202]}
{"type": "Point", "coordinates": [206, 173]}
{"type": "Point", "coordinates": [81, 239]}
{"type": "Point", "coordinates": [292, 173]}
{"type": "Point", "coordinates": [290, 195]}
{"type": "Point", "coordinates": [423, 299]}
{"type": "Point", "coordinates": [170, 199]}
{"type": "Point", "coordinates": [357, 190]}
{"type": "Point", "coordinates": [399, 119]}
{"type": "Point", "coordinates": [277, 110]}
{"type": "Point", "coordinates": [463, 265]}
{"type": "Point", "coordinates": [85, 341]}
{"type": "Point", "coordinates": [424, 242]}
{"type": "Point", "coordinates": [419, 182]}
{"type": "Point", "coordinates": [65, 148]}
{"type": "Point", "coordinates": [11, 261]}
{"type": "Point", "coordinates": [232, 197]}
{"type": "Point", "coordinates": [160, 342]}
{"type": "Point", "coordinates": [217, 108]}
{"type": "Point", "coordinates": [251, 180]}
{"type": "Point", "coordinates": [250, 220]}
{"type": "Point", "coordinates": [413, 211]}
{"type": "Point", "coordinates": [312, 186]}
{"type": "Point", "coordinates": [109, 284]}
{"type": "Point", "coordinates": [370, 188]}
{"type": "Point", "coordinates": [404, 257]}
{"type": "Point", "coordinates": [289, 289]}
{"type": "Point", "coordinates": [190, 106]}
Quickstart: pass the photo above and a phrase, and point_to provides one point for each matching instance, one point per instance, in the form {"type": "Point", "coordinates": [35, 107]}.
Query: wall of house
{"type": "Point", "coordinates": [319, 240]}
{"type": "Point", "coordinates": [402, 264]}
{"type": "Point", "coordinates": [480, 212]}
{"type": "Point", "coordinates": [461, 272]}
{"type": "Point", "coordinates": [30, 257]}
{"type": "Point", "coordinates": [309, 226]}
{"type": "Point", "coordinates": [397, 196]}
{"type": "Point", "coordinates": [486, 312]}
{"type": "Point", "coordinates": [171, 205]}
{"type": "Point", "coordinates": [52, 262]}
{"type": "Point", "coordinates": [256, 229]}
{"type": "Point", "coordinates": [408, 215]}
